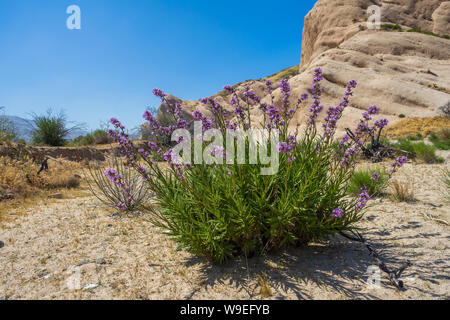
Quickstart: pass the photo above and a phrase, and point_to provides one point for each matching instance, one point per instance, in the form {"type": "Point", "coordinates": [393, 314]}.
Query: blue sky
{"type": "Point", "coordinates": [126, 48]}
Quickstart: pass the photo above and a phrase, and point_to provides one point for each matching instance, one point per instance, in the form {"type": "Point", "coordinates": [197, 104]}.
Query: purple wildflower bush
{"type": "Point", "coordinates": [225, 208]}
{"type": "Point", "coordinates": [120, 187]}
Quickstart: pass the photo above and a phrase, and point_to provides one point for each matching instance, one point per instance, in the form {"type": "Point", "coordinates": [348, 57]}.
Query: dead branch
{"type": "Point", "coordinates": [394, 274]}
{"type": "Point", "coordinates": [376, 151]}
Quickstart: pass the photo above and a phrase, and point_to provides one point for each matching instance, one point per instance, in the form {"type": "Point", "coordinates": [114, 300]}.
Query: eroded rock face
{"type": "Point", "coordinates": [403, 73]}
{"type": "Point", "coordinates": [332, 22]}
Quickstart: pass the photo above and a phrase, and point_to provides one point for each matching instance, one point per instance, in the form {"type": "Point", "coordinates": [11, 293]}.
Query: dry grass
{"type": "Point", "coordinates": [266, 291]}
{"type": "Point", "coordinates": [19, 177]}
{"type": "Point", "coordinates": [413, 126]}
{"type": "Point", "coordinates": [402, 191]}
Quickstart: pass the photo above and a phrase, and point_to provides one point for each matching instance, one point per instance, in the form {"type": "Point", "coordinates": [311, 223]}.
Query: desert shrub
{"type": "Point", "coordinates": [108, 184]}
{"type": "Point", "coordinates": [51, 129]}
{"type": "Point", "coordinates": [401, 115]}
{"type": "Point", "coordinates": [417, 137]}
{"type": "Point", "coordinates": [444, 134]}
{"type": "Point", "coordinates": [417, 30]}
{"type": "Point", "coordinates": [375, 181]}
{"type": "Point", "coordinates": [101, 137]}
{"type": "Point", "coordinates": [82, 141]}
{"type": "Point", "coordinates": [441, 140]}
{"type": "Point", "coordinates": [221, 210]}
{"type": "Point", "coordinates": [402, 191]}
{"type": "Point", "coordinates": [389, 26]}
{"type": "Point", "coordinates": [420, 150]}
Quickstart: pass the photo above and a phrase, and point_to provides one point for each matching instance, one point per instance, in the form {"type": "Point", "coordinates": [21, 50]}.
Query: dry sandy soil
{"type": "Point", "coordinates": [55, 250]}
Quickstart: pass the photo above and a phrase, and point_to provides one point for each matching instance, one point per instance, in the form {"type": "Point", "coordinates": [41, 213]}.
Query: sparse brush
{"type": "Point", "coordinates": [444, 134]}
{"type": "Point", "coordinates": [109, 192]}
{"type": "Point", "coordinates": [417, 137]}
{"type": "Point", "coordinates": [101, 137]}
{"type": "Point", "coordinates": [420, 150]}
{"type": "Point", "coordinates": [389, 26]}
{"type": "Point", "coordinates": [402, 191]}
{"type": "Point", "coordinates": [441, 140]}
{"type": "Point", "coordinates": [375, 181]}
{"type": "Point", "coordinates": [20, 177]}
{"type": "Point", "coordinates": [51, 129]}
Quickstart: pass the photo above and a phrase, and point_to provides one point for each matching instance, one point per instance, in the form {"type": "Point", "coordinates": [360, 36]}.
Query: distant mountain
{"type": "Point", "coordinates": [24, 128]}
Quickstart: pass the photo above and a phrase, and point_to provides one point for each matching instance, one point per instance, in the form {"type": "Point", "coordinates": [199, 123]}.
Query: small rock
{"type": "Point", "coordinates": [56, 196]}
{"type": "Point", "coordinates": [4, 298]}
{"type": "Point", "coordinates": [90, 286]}
{"type": "Point", "coordinates": [101, 261]}
{"type": "Point", "coordinates": [82, 263]}
{"type": "Point", "coordinates": [48, 277]}
{"type": "Point", "coordinates": [2, 244]}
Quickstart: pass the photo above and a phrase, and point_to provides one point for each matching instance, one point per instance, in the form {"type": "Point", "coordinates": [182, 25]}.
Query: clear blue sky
{"type": "Point", "coordinates": [125, 49]}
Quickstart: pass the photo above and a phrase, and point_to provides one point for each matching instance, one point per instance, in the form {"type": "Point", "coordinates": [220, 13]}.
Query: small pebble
{"type": "Point", "coordinates": [90, 286]}
{"type": "Point", "coordinates": [101, 261]}
{"type": "Point", "coordinates": [83, 262]}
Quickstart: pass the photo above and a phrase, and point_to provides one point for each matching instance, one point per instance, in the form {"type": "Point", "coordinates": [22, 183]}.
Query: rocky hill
{"type": "Point", "coordinates": [403, 67]}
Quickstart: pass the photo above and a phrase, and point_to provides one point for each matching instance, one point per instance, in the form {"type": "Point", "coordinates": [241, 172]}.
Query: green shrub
{"type": "Point", "coordinates": [428, 33]}
{"type": "Point", "coordinates": [220, 211]}
{"type": "Point", "coordinates": [420, 150]}
{"type": "Point", "coordinates": [374, 180]}
{"type": "Point", "coordinates": [50, 129]}
{"type": "Point", "coordinates": [389, 26]}
{"type": "Point", "coordinates": [101, 137]}
{"type": "Point", "coordinates": [82, 141]}
{"type": "Point", "coordinates": [440, 142]}
{"type": "Point", "coordinates": [401, 115]}
{"type": "Point", "coordinates": [417, 137]}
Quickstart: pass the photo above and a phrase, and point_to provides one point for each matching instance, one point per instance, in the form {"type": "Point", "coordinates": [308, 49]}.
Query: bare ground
{"type": "Point", "coordinates": [51, 252]}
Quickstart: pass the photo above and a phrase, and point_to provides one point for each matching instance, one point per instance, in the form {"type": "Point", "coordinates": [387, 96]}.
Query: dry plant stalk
{"type": "Point", "coordinates": [402, 190]}
{"type": "Point", "coordinates": [266, 291]}
{"type": "Point", "coordinates": [111, 194]}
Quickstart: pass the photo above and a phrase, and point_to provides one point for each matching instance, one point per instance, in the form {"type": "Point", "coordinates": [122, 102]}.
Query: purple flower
{"type": "Point", "coordinates": [337, 213]}
{"type": "Point", "coordinates": [381, 123]}
{"type": "Point", "coordinates": [373, 110]}
{"type": "Point", "coordinates": [397, 164]}
{"type": "Point", "coordinates": [375, 177]}
{"type": "Point", "coordinates": [197, 115]}
{"type": "Point", "coordinates": [362, 200]}
{"type": "Point", "coordinates": [159, 93]}
{"type": "Point", "coordinates": [228, 89]}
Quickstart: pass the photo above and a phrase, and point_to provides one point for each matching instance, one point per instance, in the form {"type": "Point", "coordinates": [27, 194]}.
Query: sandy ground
{"type": "Point", "coordinates": [75, 249]}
